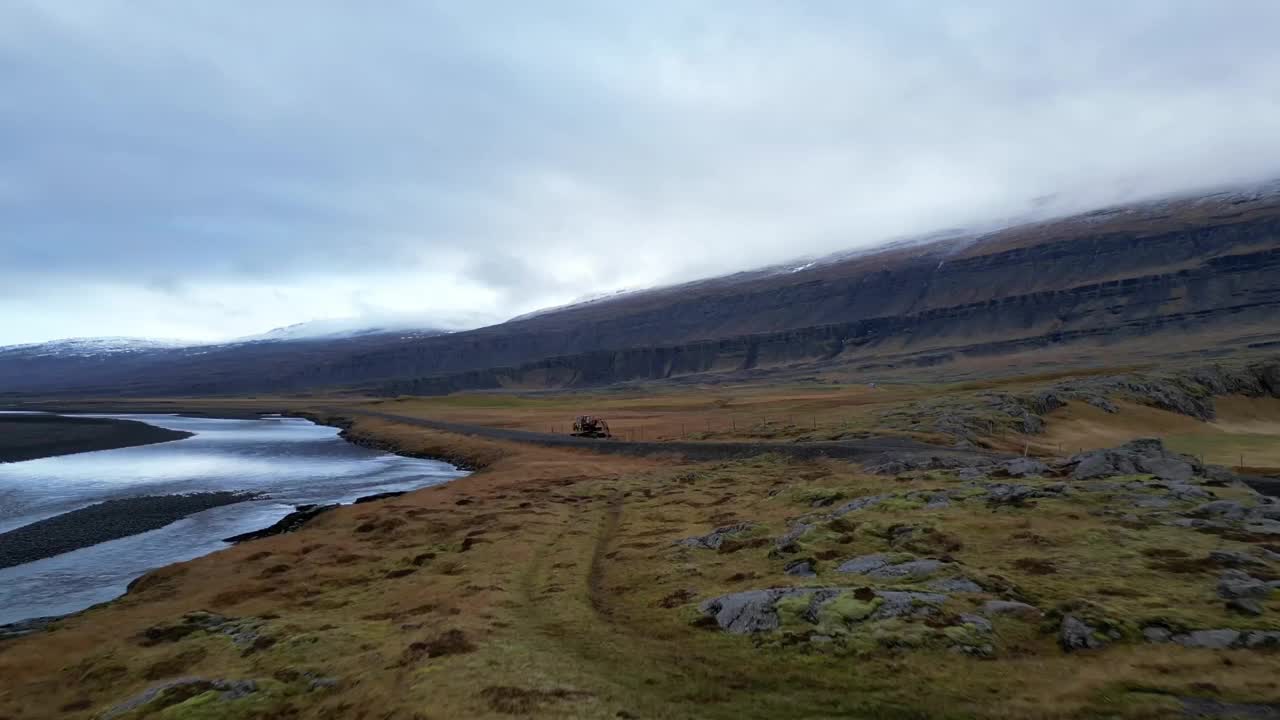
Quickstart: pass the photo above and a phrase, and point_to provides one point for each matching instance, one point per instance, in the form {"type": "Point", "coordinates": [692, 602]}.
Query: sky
{"type": "Point", "coordinates": [214, 170]}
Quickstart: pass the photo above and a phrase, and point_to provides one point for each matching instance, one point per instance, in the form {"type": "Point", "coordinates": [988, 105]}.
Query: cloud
{"type": "Point", "coordinates": [213, 171]}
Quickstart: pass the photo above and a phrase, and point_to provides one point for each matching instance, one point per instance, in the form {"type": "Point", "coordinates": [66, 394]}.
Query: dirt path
{"type": "Point", "coordinates": [861, 450]}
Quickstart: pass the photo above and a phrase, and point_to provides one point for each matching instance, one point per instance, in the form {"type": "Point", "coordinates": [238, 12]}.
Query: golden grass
{"type": "Point", "coordinates": [548, 585]}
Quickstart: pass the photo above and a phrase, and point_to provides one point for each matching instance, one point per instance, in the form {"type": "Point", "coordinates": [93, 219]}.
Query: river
{"type": "Point", "coordinates": [292, 461]}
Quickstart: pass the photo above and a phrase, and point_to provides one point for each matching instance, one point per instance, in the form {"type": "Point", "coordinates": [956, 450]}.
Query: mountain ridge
{"type": "Point", "coordinates": [1207, 264]}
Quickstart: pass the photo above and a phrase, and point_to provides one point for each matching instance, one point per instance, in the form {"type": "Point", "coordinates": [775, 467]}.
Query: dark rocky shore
{"type": "Point", "coordinates": [28, 437]}
{"type": "Point", "coordinates": [105, 521]}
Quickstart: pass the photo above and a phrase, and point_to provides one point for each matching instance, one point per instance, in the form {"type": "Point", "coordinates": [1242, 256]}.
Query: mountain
{"type": "Point", "coordinates": [406, 326]}
{"type": "Point", "coordinates": [115, 365]}
{"type": "Point", "coordinates": [1194, 275]}
{"type": "Point", "coordinates": [92, 347]}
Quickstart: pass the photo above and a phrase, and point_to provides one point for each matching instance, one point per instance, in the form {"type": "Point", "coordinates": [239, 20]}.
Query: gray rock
{"type": "Point", "coordinates": [911, 570]}
{"type": "Point", "coordinates": [861, 503]}
{"type": "Point", "coordinates": [1157, 634]}
{"type": "Point", "coordinates": [1245, 606]}
{"type": "Point", "coordinates": [980, 623]}
{"type": "Point", "coordinates": [955, 585]}
{"type": "Point", "coordinates": [1146, 456]}
{"type": "Point", "coordinates": [1186, 492]}
{"type": "Point", "coordinates": [322, 683]}
{"type": "Point", "coordinates": [800, 568]}
{"type": "Point", "coordinates": [229, 690]}
{"type": "Point", "coordinates": [1010, 494]}
{"type": "Point", "coordinates": [740, 613]}
{"type": "Point", "coordinates": [906, 604]}
{"type": "Point", "coordinates": [1025, 467]}
{"type": "Point", "coordinates": [1198, 707]}
{"type": "Point", "coordinates": [1263, 527]}
{"type": "Point", "coordinates": [1010, 607]}
{"type": "Point", "coordinates": [792, 535]}
{"type": "Point", "coordinates": [1220, 510]}
{"type": "Point", "coordinates": [1167, 468]}
{"type": "Point", "coordinates": [1234, 559]}
{"type": "Point", "coordinates": [755, 611]}
{"type": "Point", "coordinates": [1261, 639]}
{"type": "Point", "coordinates": [714, 539]}
{"type": "Point", "coordinates": [1075, 634]}
{"type": "Point", "coordinates": [1240, 584]}
{"type": "Point", "coordinates": [1209, 639]}
{"type": "Point", "coordinates": [1099, 464]}
{"type": "Point", "coordinates": [863, 564]}
{"type": "Point", "coordinates": [1148, 502]}
{"type": "Point", "coordinates": [938, 501]}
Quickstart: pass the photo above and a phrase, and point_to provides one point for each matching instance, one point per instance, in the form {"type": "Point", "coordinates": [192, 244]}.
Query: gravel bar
{"type": "Point", "coordinates": [105, 521]}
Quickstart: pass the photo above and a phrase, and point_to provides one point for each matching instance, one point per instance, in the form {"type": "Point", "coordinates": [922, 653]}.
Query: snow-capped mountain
{"type": "Point", "coordinates": [94, 347]}
{"type": "Point", "coordinates": [336, 328]}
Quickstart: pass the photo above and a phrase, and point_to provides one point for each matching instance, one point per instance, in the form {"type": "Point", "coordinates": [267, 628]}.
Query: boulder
{"type": "Point", "coordinates": [1147, 456]}
{"type": "Point", "coordinates": [955, 585]}
{"type": "Point", "coordinates": [1157, 634]}
{"type": "Point", "coordinates": [1075, 634]}
{"type": "Point", "coordinates": [907, 604]}
{"type": "Point", "coordinates": [787, 542]}
{"type": "Point", "coordinates": [1025, 467]}
{"type": "Point", "coordinates": [751, 611]}
{"type": "Point", "coordinates": [938, 501]}
{"type": "Point", "coordinates": [980, 623]}
{"type": "Point", "coordinates": [1010, 607]}
{"type": "Point", "coordinates": [1220, 510]}
{"type": "Point", "coordinates": [1245, 606]}
{"type": "Point", "coordinates": [1234, 584]}
{"type": "Point", "coordinates": [861, 503]}
{"type": "Point", "coordinates": [755, 611]}
{"type": "Point", "coordinates": [1209, 639]}
{"type": "Point", "coordinates": [173, 692]}
{"type": "Point", "coordinates": [910, 570]}
{"type": "Point", "coordinates": [1234, 559]}
{"type": "Point", "coordinates": [863, 564]}
{"type": "Point", "coordinates": [803, 567]}
{"type": "Point", "coordinates": [714, 539]}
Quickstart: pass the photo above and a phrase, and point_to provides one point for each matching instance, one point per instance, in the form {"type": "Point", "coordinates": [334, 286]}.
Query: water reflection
{"type": "Point", "coordinates": [293, 460]}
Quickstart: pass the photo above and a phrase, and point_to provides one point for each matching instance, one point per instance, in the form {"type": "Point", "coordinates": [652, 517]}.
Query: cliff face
{"type": "Point", "coordinates": [1205, 273]}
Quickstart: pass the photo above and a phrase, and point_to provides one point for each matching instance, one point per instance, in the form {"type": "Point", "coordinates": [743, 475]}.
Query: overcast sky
{"type": "Point", "coordinates": [209, 169]}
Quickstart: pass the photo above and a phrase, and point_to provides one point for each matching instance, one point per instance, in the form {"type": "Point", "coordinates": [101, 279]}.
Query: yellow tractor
{"type": "Point", "coordinates": [590, 426]}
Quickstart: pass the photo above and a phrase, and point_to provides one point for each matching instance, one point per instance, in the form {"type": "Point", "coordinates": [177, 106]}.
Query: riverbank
{"type": "Point", "coordinates": [30, 437]}
{"type": "Point", "coordinates": [105, 521]}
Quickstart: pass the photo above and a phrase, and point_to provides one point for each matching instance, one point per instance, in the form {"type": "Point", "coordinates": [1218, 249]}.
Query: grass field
{"type": "Point", "coordinates": [550, 584]}
{"type": "Point", "coordinates": [553, 582]}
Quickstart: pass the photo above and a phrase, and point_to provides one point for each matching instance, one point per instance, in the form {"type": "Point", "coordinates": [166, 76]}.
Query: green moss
{"type": "Point", "coordinates": [809, 496]}
{"type": "Point", "coordinates": [848, 609]}
{"type": "Point", "coordinates": [791, 611]}
{"type": "Point", "coordinates": [211, 706]}
{"type": "Point", "coordinates": [898, 504]}
{"type": "Point", "coordinates": [966, 634]}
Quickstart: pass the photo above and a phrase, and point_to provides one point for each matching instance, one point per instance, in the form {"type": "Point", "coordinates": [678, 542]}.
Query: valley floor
{"type": "Point", "coordinates": [559, 582]}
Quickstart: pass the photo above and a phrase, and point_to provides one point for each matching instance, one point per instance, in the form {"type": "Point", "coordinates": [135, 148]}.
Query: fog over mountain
{"type": "Point", "coordinates": [210, 172]}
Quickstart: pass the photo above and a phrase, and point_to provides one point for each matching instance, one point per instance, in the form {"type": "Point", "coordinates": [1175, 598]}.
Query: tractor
{"type": "Point", "coordinates": [589, 426]}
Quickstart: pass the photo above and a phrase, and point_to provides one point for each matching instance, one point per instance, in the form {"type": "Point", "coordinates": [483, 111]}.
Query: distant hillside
{"type": "Point", "coordinates": [1190, 274]}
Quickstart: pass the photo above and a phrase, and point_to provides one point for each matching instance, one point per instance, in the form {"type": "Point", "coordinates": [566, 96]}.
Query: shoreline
{"type": "Point", "coordinates": [296, 520]}
{"type": "Point", "coordinates": [106, 521]}
{"type": "Point", "coordinates": [39, 436]}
